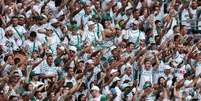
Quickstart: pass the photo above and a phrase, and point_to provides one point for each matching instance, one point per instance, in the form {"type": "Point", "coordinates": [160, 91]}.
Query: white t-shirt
{"type": "Point", "coordinates": [146, 75]}
{"type": "Point", "coordinates": [184, 17]}
{"type": "Point", "coordinates": [2, 33]}
{"type": "Point", "coordinates": [52, 42]}
{"type": "Point", "coordinates": [78, 17]}
{"type": "Point", "coordinates": [18, 30]}
{"type": "Point", "coordinates": [159, 72]}
{"type": "Point", "coordinates": [119, 93]}
{"type": "Point", "coordinates": [134, 35]}
{"type": "Point", "coordinates": [198, 69]}
{"type": "Point", "coordinates": [74, 39]}
{"type": "Point", "coordinates": [89, 36]}
{"type": "Point", "coordinates": [31, 46]}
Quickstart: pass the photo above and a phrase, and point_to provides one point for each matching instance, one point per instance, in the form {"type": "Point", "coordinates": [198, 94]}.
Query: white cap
{"type": "Point", "coordinates": [21, 16]}
{"type": "Point", "coordinates": [167, 67]}
{"type": "Point", "coordinates": [135, 22]}
{"type": "Point", "coordinates": [44, 16]}
{"type": "Point", "coordinates": [90, 23]}
{"type": "Point", "coordinates": [53, 20]}
{"type": "Point", "coordinates": [61, 47]}
{"type": "Point", "coordinates": [113, 71]}
{"type": "Point", "coordinates": [49, 51]}
{"type": "Point", "coordinates": [89, 61]}
{"type": "Point", "coordinates": [116, 79]}
{"type": "Point", "coordinates": [96, 88]}
{"type": "Point", "coordinates": [73, 48]}
{"type": "Point", "coordinates": [113, 47]}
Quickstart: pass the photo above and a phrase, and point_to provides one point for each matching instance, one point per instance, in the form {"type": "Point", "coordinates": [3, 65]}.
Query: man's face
{"type": "Point", "coordinates": [32, 38]}
{"type": "Point", "coordinates": [71, 72]}
{"type": "Point", "coordinates": [21, 21]}
{"type": "Point", "coordinates": [167, 71]}
{"type": "Point", "coordinates": [177, 30]}
{"type": "Point", "coordinates": [194, 5]}
{"type": "Point", "coordinates": [30, 87]}
{"type": "Point", "coordinates": [148, 64]}
{"type": "Point", "coordinates": [129, 71]}
{"type": "Point", "coordinates": [157, 9]}
{"type": "Point", "coordinates": [49, 32]}
{"type": "Point", "coordinates": [115, 52]}
{"type": "Point", "coordinates": [10, 60]}
{"type": "Point", "coordinates": [39, 95]}
{"type": "Point", "coordinates": [131, 47]}
{"type": "Point", "coordinates": [97, 4]}
{"type": "Point", "coordinates": [59, 51]}
{"type": "Point", "coordinates": [136, 13]}
{"type": "Point", "coordinates": [184, 30]}
{"type": "Point", "coordinates": [87, 10]}
{"type": "Point", "coordinates": [91, 27]}
{"type": "Point", "coordinates": [15, 21]}
{"type": "Point", "coordinates": [94, 93]}
{"type": "Point", "coordinates": [107, 23]}
{"type": "Point", "coordinates": [49, 59]}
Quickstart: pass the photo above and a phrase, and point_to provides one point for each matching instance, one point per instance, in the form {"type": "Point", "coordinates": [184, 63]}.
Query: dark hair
{"type": "Point", "coordinates": [182, 26]}
{"type": "Point", "coordinates": [79, 97]}
{"type": "Point", "coordinates": [33, 34]}
{"type": "Point", "coordinates": [69, 85]}
{"type": "Point", "coordinates": [114, 84]}
{"type": "Point", "coordinates": [176, 37]}
{"type": "Point", "coordinates": [6, 57]}
{"type": "Point", "coordinates": [14, 17]}
{"type": "Point", "coordinates": [12, 96]}
{"type": "Point", "coordinates": [160, 79]}
{"type": "Point", "coordinates": [174, 27]}
{"type": "Point", "coordinates": [157, 21]}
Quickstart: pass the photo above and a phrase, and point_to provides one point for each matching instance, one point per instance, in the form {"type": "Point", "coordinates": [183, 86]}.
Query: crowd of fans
{"type": "Point", "coordinates": [100, 50]}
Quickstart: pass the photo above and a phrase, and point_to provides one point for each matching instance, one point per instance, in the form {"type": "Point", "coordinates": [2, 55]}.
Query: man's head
{"type": "Point", "coordinates": [38, 95]}
{"type": "Point", "coordinates": [9, 59]}
{"type": "Point", "coordinates": [158, 23]}
{"type": "Point", "coordinates": [91, 25]}
{"type": "Point", "coordinates": [130, 47]}
{"type": "Point", "coordinates": [95, 91]}
{"type": "Point", "coordinates": [183, 30]}
{"type": "Point", "coordinates": [21, 20]}
{"type": "Point", "coordinates": [70, 72]}
{"type": "Point", "coordinates": [49, 59]}
{"type": "Point", "coordinates": [87, 9]}
{"type": "Point", "coordinates": [147, 64]}
{"type": "Point", "coordinates": [194, 4]}
{"type": "Point", "coordinates": [14, 20]}
{"type": "Point", "coordinates": [176, 29]}
{"type": "Point", "coordinates": [32, 36]}
{"type": "Point", "coordinates": [13, 98]}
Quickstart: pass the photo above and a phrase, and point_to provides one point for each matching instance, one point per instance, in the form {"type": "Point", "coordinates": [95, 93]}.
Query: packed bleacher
{"type": "Point", "coordinates": [100, 50]}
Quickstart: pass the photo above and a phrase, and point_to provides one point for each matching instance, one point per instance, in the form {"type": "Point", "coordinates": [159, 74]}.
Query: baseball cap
{"type": "Point", "coordinates": [147, 84]}
{"type": "Point", "coordinates": [95, 88]}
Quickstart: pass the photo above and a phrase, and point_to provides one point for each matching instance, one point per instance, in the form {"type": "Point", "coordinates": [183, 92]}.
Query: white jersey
{"type": "Point", "coordinates": [8, 44]}
{"type": "Point", "coordinates": [32, 45]}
